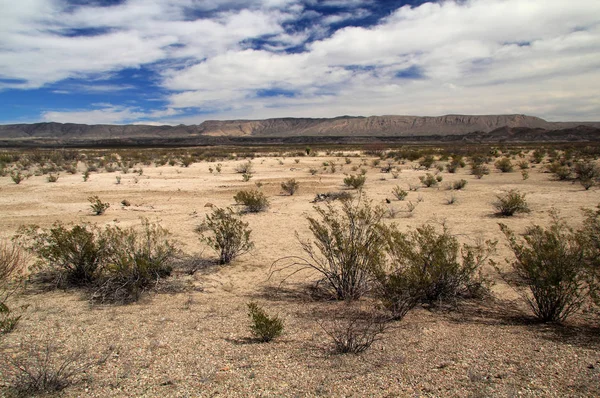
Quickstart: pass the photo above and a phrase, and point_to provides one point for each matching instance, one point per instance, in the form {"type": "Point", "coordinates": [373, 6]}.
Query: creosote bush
{"type": "Point", "coordinates": [399, 193]}
{"type": "Point", "coordinates": [254, 200]}
{"type": "Point", "coordinates": [355, 181]}
{"type": "Point", "coordinates": [429, 180]}
{"type": "Point", "coordinates": [98, 206]}
{"type": "Point", "coordinates": [460, 184]}
{"type": "Point", "coordinates": [504, 165]}
{"type": "Point", "coordinates": [74, 254]}
{"type": "Point", "coordinates": [264, 327]}
{"type": "Point", "coordinates": [135, 260]}
{"type": "Point", "coordinates": [511, 203]}
{"type": "Point", "coordinates": [290, 186]}
{"type": "Point", "coordinates": [587, 173]}
{"type": "Point", "coordinates": [429, 266]}
{"type": "Point", "coordinates": [354, 331]}
{"type": "Point", "coordinates": [550, 264]}
{"type": "Point", "coordinates": [12, 263]}
{"type": "Point", "coordinates": [230, 235]}
{"type": "Point", "coordinates": [348, 245]}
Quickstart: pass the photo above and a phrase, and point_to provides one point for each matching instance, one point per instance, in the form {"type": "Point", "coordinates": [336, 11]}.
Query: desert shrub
{"type": "Point", "coordinates": [427, 266]}
{"type": "Point", "coordinates": [523, 164]}
{"type": "Point", "coordinates": [247, 176]}
{"type": "Point", "coordinates": [587, 173]}
{"type": "Point", "coordinates": [549, 263]}
{"type": "Point", "coordinates": [538, 155]}
{"type": "Point", "coordinates": [290, 186]}
{"type": "Point", "coordinates": [457, 161]}
{"type": "Point", "coordinates": [428, 180]}
{"type": "Point", "coordinates": [17, 177]}
{"type": "Point", "coordinates": [74, 254]}
{"type": "Point", "coordinates": [504, 165]}
{"type": "Point", "coordinates": [399, 193]}
{"type": "Point", "coordinates": [45, 367]}
{"type": "Point", "coordinates": [313, 171]}
{"type": "Point", "coordinates": [52, 178]}
{"type": "Point", "coordinates": [355, 181]}
{"type": "Point", "coordinates": [354, 331]}
{"type": "Point", "coordinates": [427, 161]}
{"type": "Point", "coordinates": [254, 200]}
{"type": "Point", "coordinates": [264, 327]}
{"type": "Point", "coordinates": [12, 262]}
{"type": "Point", "coordinates": [244, 168]}
{"type": "Point", "coordinates": [511, 203]}
{"type": "Point", "coordinates": [135, 260]}
{"type": "Point", "coordinates": [460, 184]}
{"type": "Point", "coordinates": [230, 235]}
{"type": "Point", "coordinates": [561, 170]}
{"type": "Point", "coordinates": [589, 237]}
{"type": "Point", "coordinates": [479, 170]}
{"type": "Point", "coordinates": [347, 245]}
{"type": "Point", "coordinates": [98, 206]}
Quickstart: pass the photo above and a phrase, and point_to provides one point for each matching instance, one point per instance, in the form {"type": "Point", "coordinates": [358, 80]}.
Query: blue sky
{"type": "Point", "coordinates": [186, 61]}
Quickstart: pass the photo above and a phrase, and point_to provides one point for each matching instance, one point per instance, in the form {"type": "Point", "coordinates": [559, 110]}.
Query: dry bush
{"type": "Point", "coordinates": [587, 173]}
{"type": "Point", "coordinates": [290, 186]}
{"type": "Point", "coordinates": [348, 245]}
{"type": "Point", "coordinates": [354, 331]}
{"type": "Point", "coordinates": [264, 327]}
{"type": "Point", "coordinates": [254, 200]}
{"type": "Point", "coordinates": [12, 264]}
{"type": "Point", "coordinates": [589, 237]}
{"type": "Point", "coordinates": [230, 235]}
{"type": "Point", "coordinates": [244, 168]}
{"type": "Point", "coordinates": [98, 207]}
{"type": "Point", "coordinates": [429, 180]}
{"type": "Point", "coordinates": [511, 203]}
{"type": "Point", "coordinates": [399, 193]}
{"type": "Point", "coordinates": [45, 367]}
{"type": "Point", "coordinates": [460, 184]}
{"type": "Point", "coordinates": [550, 264]}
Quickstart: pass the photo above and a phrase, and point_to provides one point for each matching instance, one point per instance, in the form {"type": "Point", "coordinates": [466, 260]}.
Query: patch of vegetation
{"type": "Point", "coordinates": [504, 165]}
{"type": "Point", "coordinates": [511, 203]}
{"type": "Point", "coordinates": [355, 181]}
{"type": "Point", "coordinates": [98, 206]}
{"type": "Point", "coordinates": [264, 327]}
{"type": "Point", "coordinates": [399, 193]}
{"type": "Point", "coordinates": [428, 180]}
{"type": "Point", "coordinates": [290, 186]}
{"type": "Point", "coordinates": [254, 200]}
{"type": "Point", "coordinates": [230, 235]}
{"type": "Point", "coordinates": [550, 264]}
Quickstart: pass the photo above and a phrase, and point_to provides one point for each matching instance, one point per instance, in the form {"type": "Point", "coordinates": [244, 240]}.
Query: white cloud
{"type": "Point", "coordinates": [106, 114]}
{"type": "Point", "coordinates": [475, 56]}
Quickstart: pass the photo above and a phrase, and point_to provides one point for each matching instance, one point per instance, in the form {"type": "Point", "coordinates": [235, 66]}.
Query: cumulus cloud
{"type": "Point", "coordinates": [226, 60]}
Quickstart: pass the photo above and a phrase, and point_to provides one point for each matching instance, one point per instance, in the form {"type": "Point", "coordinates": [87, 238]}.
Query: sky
{"type": "Point", "coordinates": [186, 61]}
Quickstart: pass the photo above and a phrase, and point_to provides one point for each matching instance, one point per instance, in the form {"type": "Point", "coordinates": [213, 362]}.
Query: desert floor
{"type": "Point", "coordinates": [197, 342]}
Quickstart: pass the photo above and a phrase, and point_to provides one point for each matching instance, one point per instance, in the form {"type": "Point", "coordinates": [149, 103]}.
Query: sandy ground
{"type": "Point", "coordinates": [196, 343]}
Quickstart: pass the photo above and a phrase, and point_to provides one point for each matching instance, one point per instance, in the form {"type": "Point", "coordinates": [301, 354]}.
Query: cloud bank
{"type": "Point", "coordinates": [203, 59]}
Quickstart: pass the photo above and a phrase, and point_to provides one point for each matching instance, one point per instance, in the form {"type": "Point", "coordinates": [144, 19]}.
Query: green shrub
{"type": "Point", "coordinates": [460, 184]}
{"type": "Point", "coordinates": [52, 178]}
{"type": "Point", "coordinates": [427, 266]}
{"type": "Point", "coordinates": [135, 260]}
{"type": "Point", "coordinates": [504, 165]}
{"type": "Point", "coordinates": [589, 237]}
{"type": "Point", "coordinates": [399, 193]}
{"type": "Point", "coordinates": [231, 236]}
{"type": "Point", "coordinates": [428, 180]}
{"type": "Point", "coordinates": [290, 186]}
{"type": "Point", "coordinates": [427, 162]}
{"type": "Point", "coordinates": [549, 263]}
{"type": "Point", "coordinates": [561, 170]}
{"type": "Point", "coordinates": [479, 170]}
{"type": "Point", "coordinates": [511, 203]}
{"type": "Point", "coordinates": [74, 253]}
{"type": "Point", "coordinates": [17, 177]}
{"type": "Point", "coordinates": [264, 327]}
{"type": "Point", "coordinates": [254, 200]}
{"type": "Point", "coordinates": [355, 181]}
{"type": "Point", "coordinates": [98, 207]}
{"type": "Point", "coordinates": [348, 245]}
{"type": "Point", "coordinates": [587, 173]}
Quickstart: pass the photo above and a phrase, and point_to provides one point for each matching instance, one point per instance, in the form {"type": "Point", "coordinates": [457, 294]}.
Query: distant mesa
{"type": "Point", "coordinates": [290, 130]}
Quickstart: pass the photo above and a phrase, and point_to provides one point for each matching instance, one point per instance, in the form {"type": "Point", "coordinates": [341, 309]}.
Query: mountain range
{"type": "Point", "coordinates": [348, 128]}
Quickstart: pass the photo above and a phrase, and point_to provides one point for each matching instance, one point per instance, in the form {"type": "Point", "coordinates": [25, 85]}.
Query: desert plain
{"type": "Point", "coordinates": [194, 340]}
